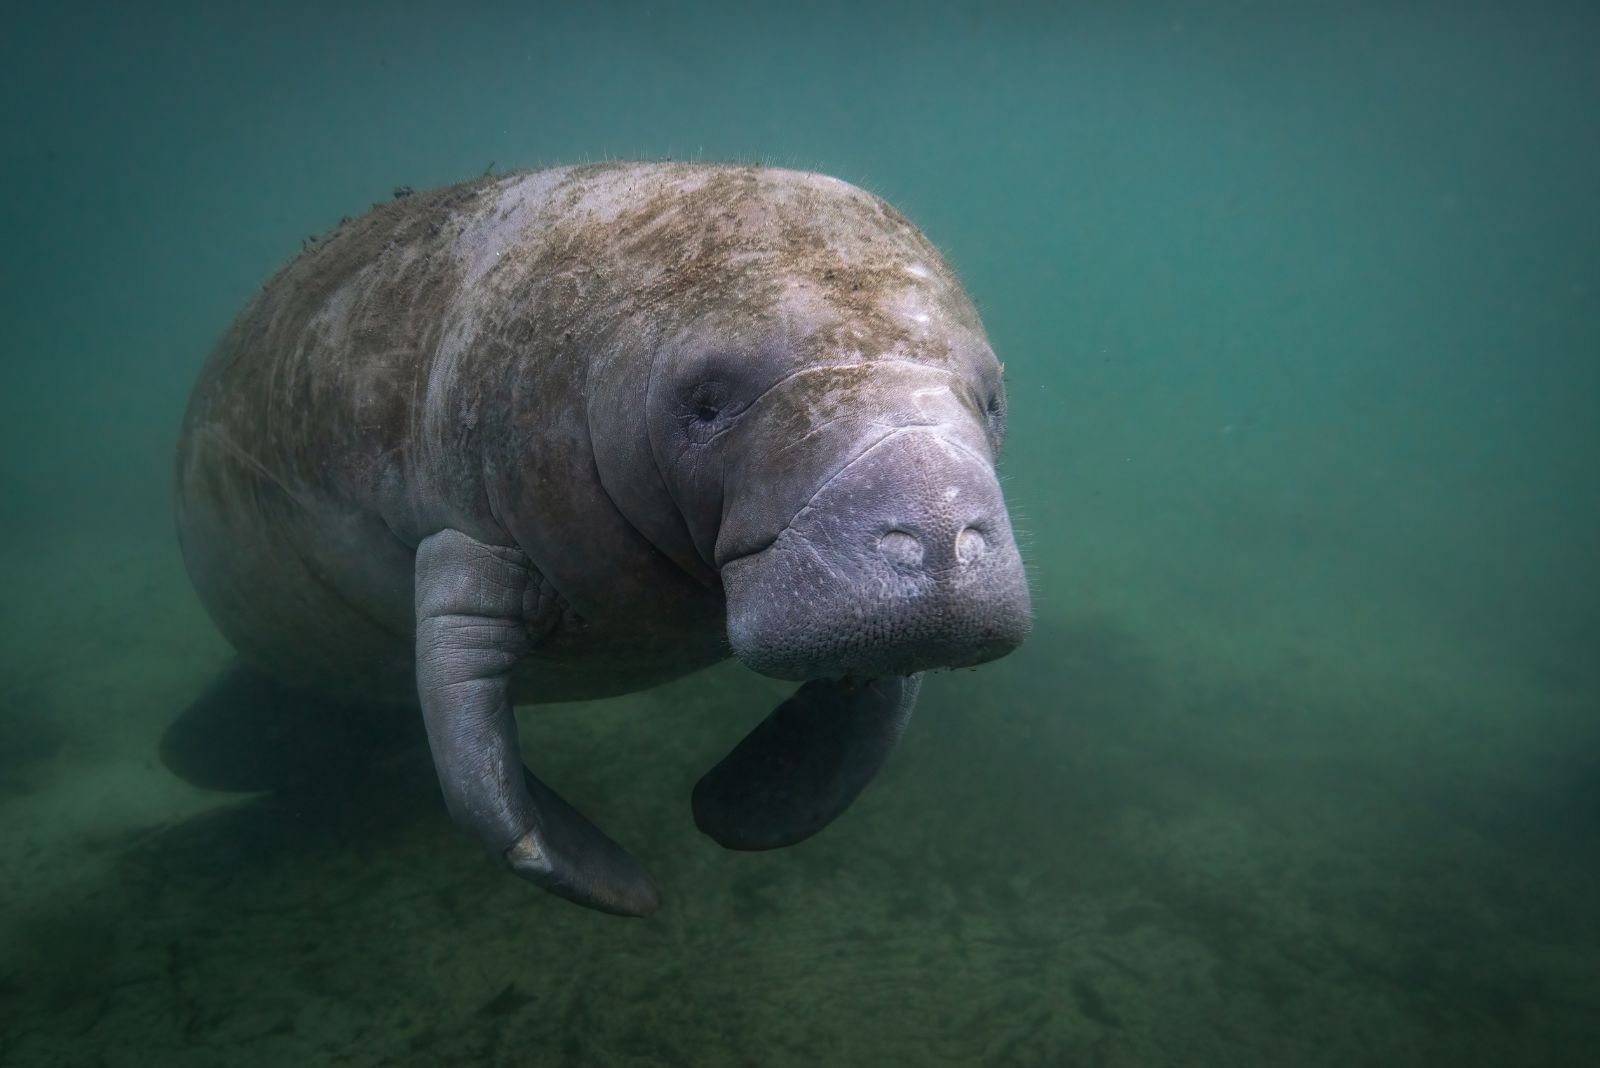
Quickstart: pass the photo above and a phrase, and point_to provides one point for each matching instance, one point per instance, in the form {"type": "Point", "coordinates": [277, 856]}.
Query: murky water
{"type": "Point", "coordinates": [1302, 763]}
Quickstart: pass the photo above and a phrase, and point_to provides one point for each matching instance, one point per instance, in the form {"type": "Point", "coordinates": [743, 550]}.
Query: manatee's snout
{"type": "Point", "coordinates": [904, 561]}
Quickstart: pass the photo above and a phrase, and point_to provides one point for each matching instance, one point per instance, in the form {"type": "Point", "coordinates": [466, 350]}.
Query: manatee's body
{"type": "Point", "coordinates": [389, 383]}
{"type": "Point", "coordinates": [570, 433]}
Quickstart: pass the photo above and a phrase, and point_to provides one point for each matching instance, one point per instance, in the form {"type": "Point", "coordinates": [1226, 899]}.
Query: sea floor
{"type": "Point", "coordinates": [1164, 833]}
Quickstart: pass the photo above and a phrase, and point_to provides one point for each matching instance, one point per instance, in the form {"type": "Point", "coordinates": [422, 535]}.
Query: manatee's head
{"type": "Point", "coordinates": [824, 412]}
{"type": "Point", "coordinates": [866, 533]}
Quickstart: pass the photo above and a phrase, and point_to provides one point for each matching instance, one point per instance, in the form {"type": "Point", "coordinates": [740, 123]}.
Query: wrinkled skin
{"type": "Point", "coordinates": [570, 433]}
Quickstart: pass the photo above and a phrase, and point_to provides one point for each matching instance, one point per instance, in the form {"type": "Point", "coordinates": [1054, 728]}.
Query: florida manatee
{"type": "Point", "coordinates": [569, 433]}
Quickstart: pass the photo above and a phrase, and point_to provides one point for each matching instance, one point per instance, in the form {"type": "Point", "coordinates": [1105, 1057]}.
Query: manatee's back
{"type": "Point", "coordinates": [321, 441]}
{"type": "Point", "coordinates": [297, 440]}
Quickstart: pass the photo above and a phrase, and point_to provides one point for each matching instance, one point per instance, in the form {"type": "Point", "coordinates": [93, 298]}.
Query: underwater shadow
{"type": "Point", "coordinates": [366, 808]}
{"type": "Point", "coordinates": [29, 736]}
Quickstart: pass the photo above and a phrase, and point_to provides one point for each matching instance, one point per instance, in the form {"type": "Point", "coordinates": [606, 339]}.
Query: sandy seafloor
{"type": "Point", "coordinates": [1301, 766]}
{"type": "Point", "coordinates": [1174, 829]}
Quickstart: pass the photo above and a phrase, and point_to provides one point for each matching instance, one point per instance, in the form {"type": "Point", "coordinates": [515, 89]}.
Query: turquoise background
{"type": "Point", "coordinates": [1297, 303]}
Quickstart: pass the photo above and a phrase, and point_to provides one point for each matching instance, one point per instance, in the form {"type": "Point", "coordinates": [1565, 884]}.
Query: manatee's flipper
{"type": "Point", "coordinates": [246, 732]}
{"type": "Point", "coordinates": [470, 610]}
{"type": "Point", "coordinates": [805, 763]}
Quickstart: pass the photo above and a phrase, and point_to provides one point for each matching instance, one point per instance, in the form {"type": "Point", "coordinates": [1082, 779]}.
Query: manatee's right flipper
{"type": "Point", "coordinates": [805, 763]}
{"type": "Point", "coordinates": [470, 635]}
{"type": "Point", "coordinates": [246, 733]}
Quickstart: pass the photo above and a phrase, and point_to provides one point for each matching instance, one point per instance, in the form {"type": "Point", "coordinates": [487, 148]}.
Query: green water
{"type": "Point", "coordinates": [1302, 764]}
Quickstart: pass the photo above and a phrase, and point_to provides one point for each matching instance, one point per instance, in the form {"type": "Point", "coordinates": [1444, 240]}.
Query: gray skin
{"type": "Point", "coordinates": [570, 433]}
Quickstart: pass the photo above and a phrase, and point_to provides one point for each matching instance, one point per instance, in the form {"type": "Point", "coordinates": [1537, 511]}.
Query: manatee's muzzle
{"type": "Point", "coordinates": [903, 562]}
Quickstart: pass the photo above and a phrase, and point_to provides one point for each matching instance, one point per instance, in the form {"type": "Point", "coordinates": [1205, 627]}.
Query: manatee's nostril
{"type": "Point", "coordinates": [901, 548]}
{"type": "Point", "coordinates": [970, 545]}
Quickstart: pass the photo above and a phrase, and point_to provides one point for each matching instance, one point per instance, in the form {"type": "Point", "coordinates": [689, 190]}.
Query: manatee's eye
{"type": "Point", "coordinates": [994, 414]}
{"type": "Point", "coordinates": [703, 408]}
{"type": "Point", "coordinates": [994, 400]}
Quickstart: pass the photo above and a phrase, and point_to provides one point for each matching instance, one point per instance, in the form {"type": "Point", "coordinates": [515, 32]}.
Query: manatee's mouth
{"type": "Point", "coordinates": [791, 617]}
{"type": "Point", "coordinates": [902, 564]}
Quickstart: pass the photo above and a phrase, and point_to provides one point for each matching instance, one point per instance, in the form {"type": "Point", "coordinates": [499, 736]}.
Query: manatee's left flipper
{"type": "Point", "coordinates": [805, 763]}
{"type": "Point", "coordinates": [470, 635]}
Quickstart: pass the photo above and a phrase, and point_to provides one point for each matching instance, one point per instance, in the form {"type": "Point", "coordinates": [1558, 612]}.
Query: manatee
{"type": "Point", "coordinates": [569, 433]}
